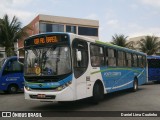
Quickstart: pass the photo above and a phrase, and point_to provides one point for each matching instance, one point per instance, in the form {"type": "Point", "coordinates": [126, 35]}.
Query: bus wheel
{"type": "Point", "coordinates": [12, 89]}
{"type": "Point", "coordinates": [98, 93]}
{"type": "Point", "coordinates": [135, 86]}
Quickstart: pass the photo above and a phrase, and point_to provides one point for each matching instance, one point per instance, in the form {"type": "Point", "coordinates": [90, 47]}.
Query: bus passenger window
{"type": "Point", "coordinates": [134, 60]}
{"type": "Point", "coordinates": [121, 59]}
{"type": "Point", "coordinates": [140, 64]}
{"type": "Point", "coordinates": [97, 55]}
{"type": "Point", "coordinates": [144, 61]}
{"type": "Point", "coordinates": [112, 57]}
{"type": "Point", "coordinates": [107, 56]}
{"type": "Point", "coordinates": [128, 60]}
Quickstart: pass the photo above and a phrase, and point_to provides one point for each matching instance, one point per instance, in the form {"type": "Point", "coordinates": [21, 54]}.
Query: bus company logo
{"type": "Point", "coordinates": [112, 74]}
{"type": "Point", "coordinates": [40, 85]}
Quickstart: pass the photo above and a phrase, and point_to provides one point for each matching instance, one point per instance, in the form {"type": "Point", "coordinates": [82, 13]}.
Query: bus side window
{"type": "Point", "coordinates": [13, 66]}
{"type": "Point", "coordinates": [106, 56]}
{"type": "Point", "coordinates": [121, 59]}
{"type": "Point", "coordinates": [144, 61]}
{"type": "Point", "coordinates": [128, 60]}
{"type": "Point", "coordinates": [8, 66]}
{"type": "Point", "coordinates": [134, 60]}
{"type": "Point", "coordinates": [140, 62]}
{"type": "Point", "coordinates": [17, 67]}
{"type": "Point", "coordinates": [112, 54]}
{"type": "Point", "coordinates": [97, 55]}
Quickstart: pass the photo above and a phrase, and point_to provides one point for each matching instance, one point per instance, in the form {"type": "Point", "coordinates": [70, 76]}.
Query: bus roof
{"type": "Point", "coordinates": [153, 57]}
{"type": "Point", "coordinates": [120, 48]}
{"type": "Point", "coordinates": [91, 40]}
{"type": "Point", "coordinates": [47, 33]}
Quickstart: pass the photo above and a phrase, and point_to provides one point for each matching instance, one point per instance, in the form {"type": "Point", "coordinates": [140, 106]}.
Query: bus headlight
{"type": "Point", "coordinates": [63, 86]}
{"type": "Point", "coordinates": [28, 88]}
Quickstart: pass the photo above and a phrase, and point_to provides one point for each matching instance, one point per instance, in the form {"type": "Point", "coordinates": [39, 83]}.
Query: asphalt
{"type": "Point", "coordinates": [147, 98]}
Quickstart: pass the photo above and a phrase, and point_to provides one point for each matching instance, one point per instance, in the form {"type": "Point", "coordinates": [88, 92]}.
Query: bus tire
{"type": "Point", "coordinates": [12, 89]}
{"type": "Point", "coordinates": [135, 85]}
{"type": "Point", "coordinates": [98, 93]}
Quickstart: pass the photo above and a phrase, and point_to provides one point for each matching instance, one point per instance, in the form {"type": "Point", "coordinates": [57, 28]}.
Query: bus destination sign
{"type": "Point", "coordinates": [44, 40]}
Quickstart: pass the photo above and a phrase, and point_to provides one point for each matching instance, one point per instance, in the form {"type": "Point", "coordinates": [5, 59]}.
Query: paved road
{"type": "Point", "coordinates": [147, 98]}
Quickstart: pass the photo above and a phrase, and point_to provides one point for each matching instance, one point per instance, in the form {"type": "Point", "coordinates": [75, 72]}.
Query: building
{"type": "Point", "coordinates": [47, 23]}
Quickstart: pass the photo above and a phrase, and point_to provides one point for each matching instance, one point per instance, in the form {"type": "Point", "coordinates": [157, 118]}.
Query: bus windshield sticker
{"type": "Point", "coordinates": [38, 70]}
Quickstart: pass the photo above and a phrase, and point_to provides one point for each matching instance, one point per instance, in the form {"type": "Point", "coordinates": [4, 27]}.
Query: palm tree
{"type": "Point", "coordinates": [119, 40]}
{"type": "Point", "coordinates": [149, 45]}
{"type": "Point", "coordinates": [10, 32]}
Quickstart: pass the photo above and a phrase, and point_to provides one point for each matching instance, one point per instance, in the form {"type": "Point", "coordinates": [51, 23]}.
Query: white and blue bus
{"type": "Point", "coordinates": [68, 67]}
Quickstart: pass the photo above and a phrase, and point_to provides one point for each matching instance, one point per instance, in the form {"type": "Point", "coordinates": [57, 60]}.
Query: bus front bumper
{"type": "Point", "coordinates": [50, 96]}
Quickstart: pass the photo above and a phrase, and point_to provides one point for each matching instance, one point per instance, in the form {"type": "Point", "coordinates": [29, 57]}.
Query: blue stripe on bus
{"type": "Point", "coordinates": [50, 84]}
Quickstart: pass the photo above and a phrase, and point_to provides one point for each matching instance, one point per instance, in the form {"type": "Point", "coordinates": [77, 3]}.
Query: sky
{"type": "Point", "coordinates": [132, 18]}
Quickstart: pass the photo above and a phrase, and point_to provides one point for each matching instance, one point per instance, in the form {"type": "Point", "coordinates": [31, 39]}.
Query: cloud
{"type": "Point", "coordinates": [145, 31]}
{"type": "Point", "coordinates": [21, 2]}
{"type": "Point", "coordinates": [92, 16]}
{"type": "Point", "coordinates": [23, 16]}
{"type": "Point", "coordinates": [113, 23]}
{"type": "Point", "coordinates": [110, 14]}
{"type": "Point", "coordinates": [151, 2]}
{"type": "Point", "coordinates": [134, 6]}
{"type": "Point", "coordinates": [13, 8]}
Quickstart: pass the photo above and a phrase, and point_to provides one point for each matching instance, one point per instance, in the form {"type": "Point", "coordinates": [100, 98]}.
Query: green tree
{"type": "Point", "coordinates": [10, 32]}
{"type": "Point", "coordinates": [149, 45]}
{"type": "Point", "coordinates": [119, 40]}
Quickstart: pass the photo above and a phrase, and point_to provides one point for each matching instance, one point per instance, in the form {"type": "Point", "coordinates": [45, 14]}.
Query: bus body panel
{"type": "Point", "coordinates": [67, 94]}
{"type": "Point", "coordinates": [153, 74]}
{"type": "Point", "coordinates": [13, 78]}
{"type": "Point", "coordinates": [64, 95]}
{"type": "Point", "coordinates": [116, 79]}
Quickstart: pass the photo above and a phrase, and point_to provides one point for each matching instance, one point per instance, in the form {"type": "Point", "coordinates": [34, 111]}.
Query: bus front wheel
{"type": "Point", "coordinates": [12, 89]}
{"type": "Point", "coordinates": [98, 93]}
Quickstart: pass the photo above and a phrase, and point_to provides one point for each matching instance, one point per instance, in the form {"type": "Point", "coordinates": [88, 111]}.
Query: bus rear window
{"type": "Point", "coordinates": [153, 63]}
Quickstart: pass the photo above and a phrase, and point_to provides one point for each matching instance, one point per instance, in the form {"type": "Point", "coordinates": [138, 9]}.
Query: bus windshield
{"type": "Point", "coordinates": [47, 61]}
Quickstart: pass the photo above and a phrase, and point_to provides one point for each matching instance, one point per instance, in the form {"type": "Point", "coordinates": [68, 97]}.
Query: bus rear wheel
{"type": "Point", "coordinates": [98, 93]}
{"type": "Point", "coordinates": [12, 89]}
{"type": "Point", "coordinates": [135, 85]}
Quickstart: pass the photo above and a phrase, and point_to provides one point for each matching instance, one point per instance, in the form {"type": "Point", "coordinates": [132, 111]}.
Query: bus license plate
{"type": "Point", "coordinates": [41, 96]}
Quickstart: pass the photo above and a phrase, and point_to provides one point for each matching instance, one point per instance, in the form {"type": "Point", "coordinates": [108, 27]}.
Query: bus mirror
{"type": "Point", "coordinates": [79, 55]}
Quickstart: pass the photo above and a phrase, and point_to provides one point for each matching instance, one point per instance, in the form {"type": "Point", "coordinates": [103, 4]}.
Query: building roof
{"type": "Point", "coordinates": [68, 20]}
